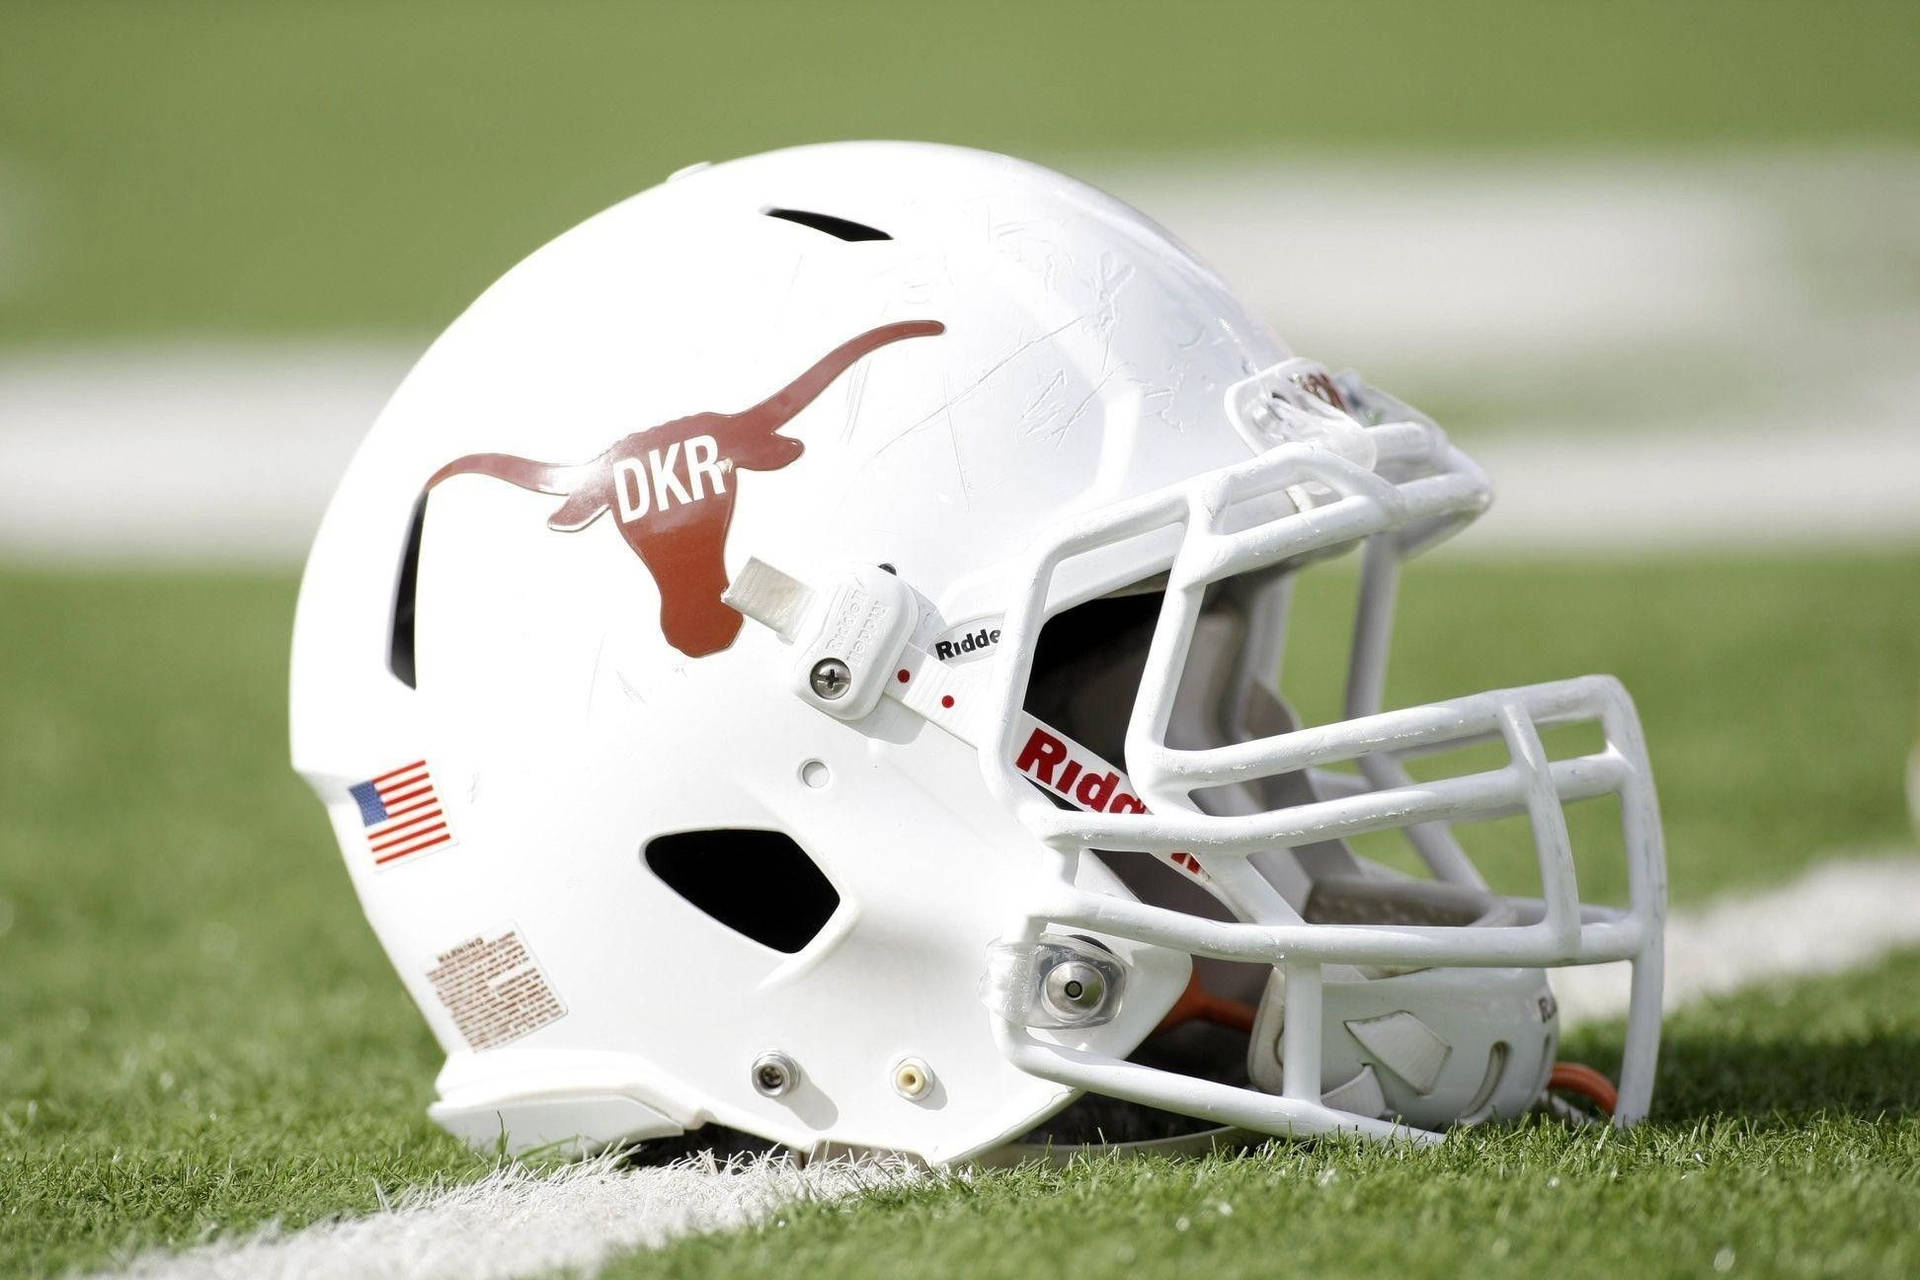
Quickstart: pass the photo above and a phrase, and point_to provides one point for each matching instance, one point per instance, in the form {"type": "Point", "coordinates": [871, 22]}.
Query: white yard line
{"type": "Point", "coordinates": [184, 453]}
{"type": "Point", "coordinates": [1483, 261]}
{"type": "Point", "coordinates": [229, 457]}
{"type": "Point", "coordinates": [1701, 489]}
{"type": "Point", "coordinates": [1684, 351]}
{"type": "Point", "coordinates": [1838, 916]}
{"type": "Point", "coordinates": [516, 1224]}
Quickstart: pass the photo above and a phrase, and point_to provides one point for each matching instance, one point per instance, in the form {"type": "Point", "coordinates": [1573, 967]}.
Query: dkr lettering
{"type": "Point", "coordinates": [656, 483]}
{"type": "Point", "coordinates": [977, 641]}
{"type": "Point", "coordinates": [672, 488]}
{"type": "Point", "coordinates": [1050, 761]}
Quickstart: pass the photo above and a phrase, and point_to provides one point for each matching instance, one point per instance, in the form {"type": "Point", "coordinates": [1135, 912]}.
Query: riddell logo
{"type": "Point", "coordinates": [975, 640]}
{"type": "Point", "coordinates": [1050, 761]}
{"type": "Point", "coordinates": [671, 488]}
{"type": "Point", "coordinates": [1084, 779]}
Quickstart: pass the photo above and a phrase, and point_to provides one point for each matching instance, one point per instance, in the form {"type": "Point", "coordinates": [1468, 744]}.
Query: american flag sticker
{"type": "Point", "coordinates": [402, 813]}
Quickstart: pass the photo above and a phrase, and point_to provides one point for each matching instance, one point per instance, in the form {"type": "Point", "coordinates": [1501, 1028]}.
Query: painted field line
{"type": "Point", "coordinates": [1838, 916]}
{"type": "Point", "coordinates": [514, 1223]}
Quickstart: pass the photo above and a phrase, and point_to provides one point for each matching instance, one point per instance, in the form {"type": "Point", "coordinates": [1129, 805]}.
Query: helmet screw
{"type": "Point", "coordinates": [1073, 989]}
{"type": "Point", "coordinates": [912, 1079]}
{"type": "Point", "coordinates": [830, 678]}
{"type": "Point", "coordinates": [774, 1073]}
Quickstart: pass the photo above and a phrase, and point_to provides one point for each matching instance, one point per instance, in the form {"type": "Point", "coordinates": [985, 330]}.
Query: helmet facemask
{"type": "Point", "coordinates": [1382, 997]}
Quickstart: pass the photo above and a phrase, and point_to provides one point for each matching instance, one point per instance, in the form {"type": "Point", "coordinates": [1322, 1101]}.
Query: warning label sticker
{"type": "Point", "coordinates": [493, 989]}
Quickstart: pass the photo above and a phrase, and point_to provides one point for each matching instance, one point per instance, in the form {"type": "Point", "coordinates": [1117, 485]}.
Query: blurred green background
{"type": "Point", "coordinates": [264, 165]}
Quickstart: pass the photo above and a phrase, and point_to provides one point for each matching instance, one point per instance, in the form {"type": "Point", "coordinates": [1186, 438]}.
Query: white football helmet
{"type": "Point", "coordinates": [801, 654]}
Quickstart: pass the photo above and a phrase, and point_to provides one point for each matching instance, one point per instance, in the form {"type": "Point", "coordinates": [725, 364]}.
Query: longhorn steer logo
{"type": "Point", "coordinates": [671, 488]}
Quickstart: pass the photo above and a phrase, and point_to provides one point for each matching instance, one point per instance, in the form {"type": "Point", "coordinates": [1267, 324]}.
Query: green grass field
{"type": "Point", "coordinates": [1786, 1144]}
{"type": "Point", "coordinates": [200, 1033]}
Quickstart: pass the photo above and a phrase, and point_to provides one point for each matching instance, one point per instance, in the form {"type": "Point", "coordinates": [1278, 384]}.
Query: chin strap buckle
{"type": "Point", "coordinates": [853, 645]}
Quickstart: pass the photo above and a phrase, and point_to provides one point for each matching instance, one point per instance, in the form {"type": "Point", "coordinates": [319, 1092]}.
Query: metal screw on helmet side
{"type": "Point", "coordinates": [774, 1074]}
{"type": "Point", "coordinates": [830, 678]}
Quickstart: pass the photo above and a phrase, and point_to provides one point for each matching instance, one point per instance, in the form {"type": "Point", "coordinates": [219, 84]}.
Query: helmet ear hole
{"type": "Point", "coordinates": [757, 883]}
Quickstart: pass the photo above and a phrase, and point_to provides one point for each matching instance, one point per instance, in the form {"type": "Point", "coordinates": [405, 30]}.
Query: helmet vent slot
{"type": "Point", "coordinates": [757, 883]}
{"type": "Point", "coordinates": [827, 224]}
{"type": "Point", "coordinates": [400, 632]}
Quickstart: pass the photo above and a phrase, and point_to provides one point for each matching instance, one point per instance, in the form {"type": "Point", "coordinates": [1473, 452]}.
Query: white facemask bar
{"type": "Point", "coordinates": [1396, 487]}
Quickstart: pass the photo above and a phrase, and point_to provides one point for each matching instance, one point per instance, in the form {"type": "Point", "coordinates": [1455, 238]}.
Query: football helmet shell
{"type": "Point", "coordinates": [725, 530]}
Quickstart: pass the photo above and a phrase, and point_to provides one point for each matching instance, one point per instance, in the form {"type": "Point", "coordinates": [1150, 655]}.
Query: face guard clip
{"type": "Point", "coordinates": [1053, 982]}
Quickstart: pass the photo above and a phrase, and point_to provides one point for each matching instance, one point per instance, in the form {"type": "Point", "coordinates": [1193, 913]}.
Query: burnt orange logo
{"type": "Point", "coordinates": [671, 488]}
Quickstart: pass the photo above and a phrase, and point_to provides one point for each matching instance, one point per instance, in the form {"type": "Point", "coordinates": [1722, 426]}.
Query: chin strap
{"type": "Point", "coordinates": [1198, 1002]}
{"type": "Point", "coordinates": [1583, 1081]}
